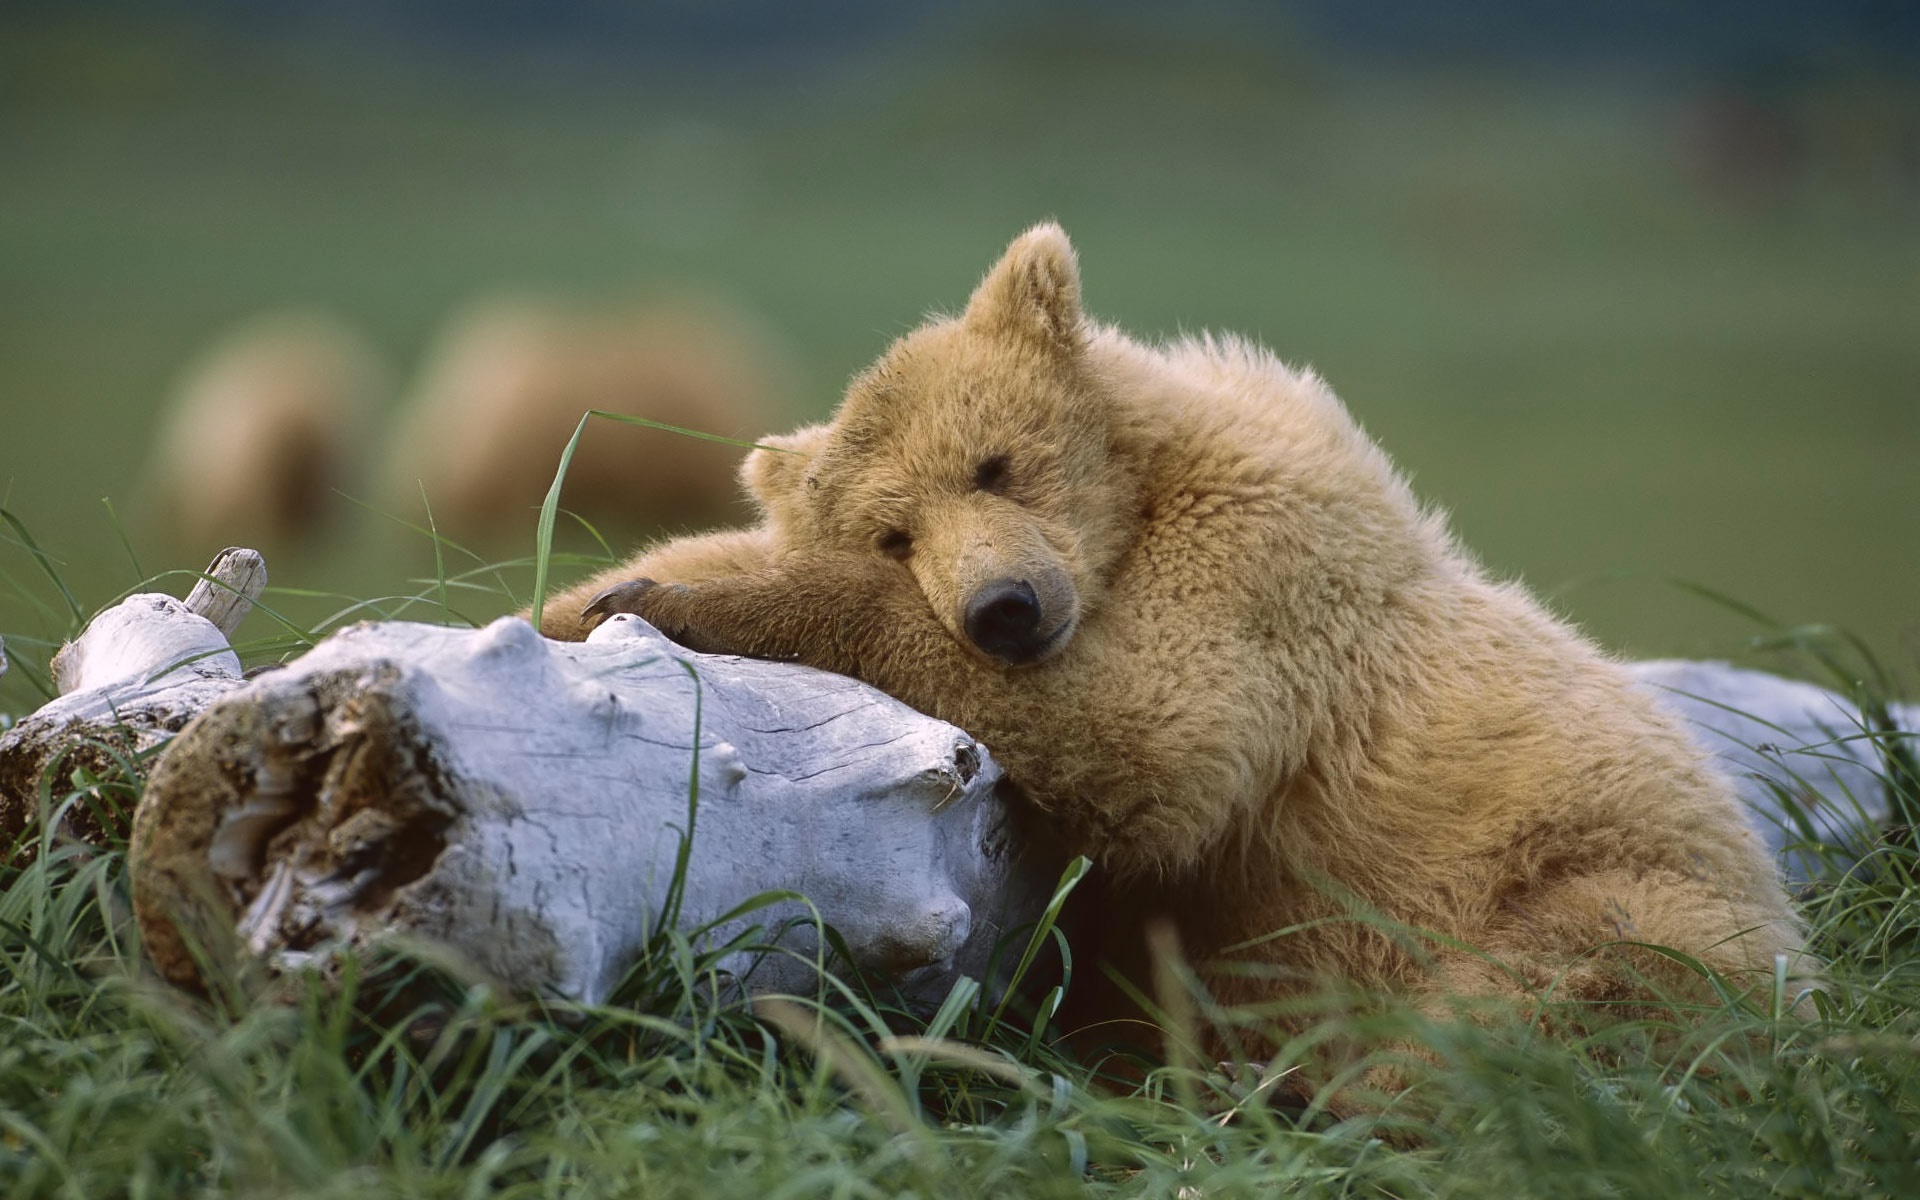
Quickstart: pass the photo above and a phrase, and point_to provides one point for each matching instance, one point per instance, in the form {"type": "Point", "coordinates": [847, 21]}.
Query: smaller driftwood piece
{"type": "Point", "coordinates": [140, 672]}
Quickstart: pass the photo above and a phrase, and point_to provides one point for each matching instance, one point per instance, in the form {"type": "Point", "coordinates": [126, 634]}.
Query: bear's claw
{"type": "Point", "coordinates": [620, 598]}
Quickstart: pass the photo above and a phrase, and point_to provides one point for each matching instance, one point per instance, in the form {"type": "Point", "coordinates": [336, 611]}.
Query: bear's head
{"type": "Point", "coordinates": [976, 454]}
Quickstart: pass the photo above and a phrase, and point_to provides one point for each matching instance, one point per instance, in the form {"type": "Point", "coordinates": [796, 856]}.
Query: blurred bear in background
{"type": "Point", "coordinates": [509, 379]}
{"type": "Point", "coordinates": [260, 430]}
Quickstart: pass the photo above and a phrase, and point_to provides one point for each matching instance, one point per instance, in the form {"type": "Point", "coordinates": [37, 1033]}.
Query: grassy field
{"type": "Point", "coordinates": [1610, 377]}
{"type": "Point", "coordinates": [406, 1076]}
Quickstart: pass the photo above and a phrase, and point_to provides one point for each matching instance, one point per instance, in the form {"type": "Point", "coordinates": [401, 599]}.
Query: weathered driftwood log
{"type": "Point", "coordinates": [139, 673]}
{"type": "Point", "coordinates": [527, 802]}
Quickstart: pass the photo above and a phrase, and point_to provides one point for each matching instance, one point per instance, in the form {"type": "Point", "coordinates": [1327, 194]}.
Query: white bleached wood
{"type": "Point", "coordinates": [523, 802]}
{"type": "Point", "coordinates": [144, 639]}
{"type": "Point", "coordinates": [1778, 736]}
{"type": "Point", "coordinates": [148, 638]}
{"type": "Point", "coordinates": [226, 592]}
{"type": "Point", "coordinates": [138, 673]}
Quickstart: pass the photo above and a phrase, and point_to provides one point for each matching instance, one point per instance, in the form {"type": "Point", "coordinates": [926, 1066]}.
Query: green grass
{"type": "Point", "coordinates": [406, 1075]}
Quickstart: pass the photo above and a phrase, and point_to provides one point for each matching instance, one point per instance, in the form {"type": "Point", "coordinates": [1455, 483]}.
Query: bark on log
{"type": "Point", "coordinates": [524, 802]}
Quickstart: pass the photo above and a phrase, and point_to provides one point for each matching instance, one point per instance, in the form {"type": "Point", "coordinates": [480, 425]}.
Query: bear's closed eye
{"type": "Point", "coordinates": [896, 544]}
{"type": "Point", "coordinates": [991, 474]}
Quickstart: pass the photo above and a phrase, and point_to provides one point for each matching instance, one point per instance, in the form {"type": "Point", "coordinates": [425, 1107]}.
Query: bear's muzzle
{"type": "Point", "coordinates": [1004, 620]}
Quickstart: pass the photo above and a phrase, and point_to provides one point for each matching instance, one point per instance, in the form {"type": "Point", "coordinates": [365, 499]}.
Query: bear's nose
{"type": "Point", "coordinates": [1003, 619]}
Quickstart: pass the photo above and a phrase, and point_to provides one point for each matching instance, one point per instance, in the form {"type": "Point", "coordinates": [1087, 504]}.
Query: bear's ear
{"type": "Point", "coordinates": [1034, 291]}
{"type": "Point", "coordinates": [780, 469]}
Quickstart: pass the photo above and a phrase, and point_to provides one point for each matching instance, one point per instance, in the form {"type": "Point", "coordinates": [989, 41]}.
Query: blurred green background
{"type": "Point", "coordinates": [1635, 296]}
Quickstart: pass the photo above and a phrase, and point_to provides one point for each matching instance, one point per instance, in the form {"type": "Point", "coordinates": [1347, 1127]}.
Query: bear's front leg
{"type": "Point", "coordinates": [665, 606]}
{"type": "Point", "coordinates": [706, 556]}
{"type": "Point", "coordinates": [833, 619]}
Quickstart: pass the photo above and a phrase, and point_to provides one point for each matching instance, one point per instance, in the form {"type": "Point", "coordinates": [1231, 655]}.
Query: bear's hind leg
{"type": "Point", "coordinates": [1581, 956]}
{"type": "Point", "coordinates": [1596, 941]}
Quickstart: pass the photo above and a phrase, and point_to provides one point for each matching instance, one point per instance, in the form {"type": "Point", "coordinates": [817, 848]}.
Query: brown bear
{"type": "Point", "coordinates": [1207, 627]}
{"type": "Point", "coordinates": [260, 431]}
{"type": "Point", "coordinates": [510, 379]}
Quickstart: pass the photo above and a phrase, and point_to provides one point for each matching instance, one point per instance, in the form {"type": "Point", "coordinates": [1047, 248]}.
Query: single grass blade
{"type": "Point", "coordinates": [550, 507]}
{"type": "Point", "coordinates": [543, 535]}
{"type": "Point", "coordinates": [625, 419]}
{"type": "Point", "coordinates": [46, 565]}
{"type": "Point", "coordinates": [1069, 879]}
{"type": "Point", "coordinates": [439, 555]}
{"type": "Point", "coordinates": [126, 543]}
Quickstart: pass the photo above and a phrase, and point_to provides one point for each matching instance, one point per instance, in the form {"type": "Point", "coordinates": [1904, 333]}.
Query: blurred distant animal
{"type": "Point", "coordinates": [260, 430]}
{"type": "Point", "coordinates": [510, 379]}
{"type": "Point", "coordinates": [1742, 147]}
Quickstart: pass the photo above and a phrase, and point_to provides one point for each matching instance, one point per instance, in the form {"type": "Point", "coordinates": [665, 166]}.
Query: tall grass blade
{"type": "Point", "coordinates": [126, 543]}
{"type": "Point", "coordinates": [543, 533]}
{"type": "Point", "coordinates": [46, 565]}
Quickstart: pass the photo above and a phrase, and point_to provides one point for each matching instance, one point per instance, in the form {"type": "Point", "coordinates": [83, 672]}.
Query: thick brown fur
{"type": "Point", "coordinates": [1281, 692]}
